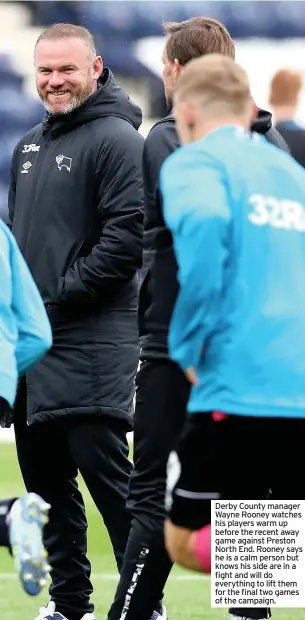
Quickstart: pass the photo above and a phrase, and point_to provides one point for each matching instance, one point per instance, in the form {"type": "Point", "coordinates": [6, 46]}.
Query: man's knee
{"type": "Point", "coordinates": [178, 543]}
{"type": "Point", "coordinates": [189, 549]}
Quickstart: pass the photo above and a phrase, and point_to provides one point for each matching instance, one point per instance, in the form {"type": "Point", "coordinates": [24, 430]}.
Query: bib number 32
{"type": "Point", "coordinates": [285, 214]}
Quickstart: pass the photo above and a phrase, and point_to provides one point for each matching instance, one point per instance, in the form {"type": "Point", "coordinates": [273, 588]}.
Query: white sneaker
{"type": "Point", "coordinates": [157, 616]}
{"type": "Point", "coordinates": [27, 519]}
{"type": "Point", "coordinates": [49, 613]}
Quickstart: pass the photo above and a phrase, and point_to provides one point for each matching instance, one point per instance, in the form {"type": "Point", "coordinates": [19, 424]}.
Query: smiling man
{"type": "Point", "coordinates": [76, 211]}
{"type": "Point", "coordinates": [63, 86]}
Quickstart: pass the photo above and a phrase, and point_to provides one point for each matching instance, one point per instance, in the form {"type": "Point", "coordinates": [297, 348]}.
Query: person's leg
{"type": "Point", "coordinates": [191, 550]}
{"type": "Point", "coordinates": [48, 469]}
{"type": "Point", "coordinates": [200, 549]}
{"type": "Point", "coordinates": [288, 459]}
{"type": "Point", "coordinates": [284, 436]}
{"type": "Point", "coordinates": [26, 521]}
{"type": "Point", "coordinates": [207, 468]}
{"type": "Point", "coordinates": [22, 521]}
{"type": "Point", "coordinates": [246, 436]}
{"type": "Point", "coordinates": [5, 507]}
{"type": "Point", "coordinates": [162, 394]}
{"type": "Point", "coordinates": [194, 478]}
{"type": "Point", "coordinates": [100, 450]}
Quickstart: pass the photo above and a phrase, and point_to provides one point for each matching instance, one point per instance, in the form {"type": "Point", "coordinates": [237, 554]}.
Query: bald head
{"type": "Point", "coordinates": [213, 90]}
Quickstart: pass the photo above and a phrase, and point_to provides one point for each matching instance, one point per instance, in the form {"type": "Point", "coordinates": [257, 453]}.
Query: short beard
{"type": "Point", "coordinates": [75, 103]}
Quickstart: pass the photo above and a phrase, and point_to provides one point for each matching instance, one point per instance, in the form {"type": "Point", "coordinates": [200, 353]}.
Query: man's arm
{"type": "Point", "coordinates": [118, 254]}
{"type": "Point", "coordinates": [160, 143]}
{"type": "Point", "coordinates": [274, 137]}
{"type": "Point", "coordinates": [20, 299]}
{"type": "Point", "coordinates": [197, 212]}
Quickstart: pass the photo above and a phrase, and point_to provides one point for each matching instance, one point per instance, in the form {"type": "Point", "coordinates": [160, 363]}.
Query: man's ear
{"type": "Point", "coordinates": [189, 113]}
{"type": "Point", "coordinates": [255, 111]}
{"type": "Point", "coordinates": [98, 68]}
{"type": "Point", "coordinates": [177, 68]}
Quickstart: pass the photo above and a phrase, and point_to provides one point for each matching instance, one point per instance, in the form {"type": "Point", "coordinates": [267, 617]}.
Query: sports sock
{"type": "Point", "coordinates": [202, 548]}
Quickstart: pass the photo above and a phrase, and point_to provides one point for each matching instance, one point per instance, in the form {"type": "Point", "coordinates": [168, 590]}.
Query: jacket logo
{"type": "Point", "coordinates": [64, 162]}
{"type": "Point", "coordinates": [28, 148]}
{"type": "Point", "coordinates": [26, 167]}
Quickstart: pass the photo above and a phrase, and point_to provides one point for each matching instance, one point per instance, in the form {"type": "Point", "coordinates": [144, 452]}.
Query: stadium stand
{"type": "Point", "coordinates": [128, 35]}
{"type": "Point", "coordinates": [20, 109]}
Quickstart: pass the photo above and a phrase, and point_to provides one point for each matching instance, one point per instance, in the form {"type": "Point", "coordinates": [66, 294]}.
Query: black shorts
{"type": "Point", "coordinates": [236, 458]}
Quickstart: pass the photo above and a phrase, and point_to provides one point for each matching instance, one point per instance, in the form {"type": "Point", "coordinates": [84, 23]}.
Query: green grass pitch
{"type": "Point", "coordinates": [187, 594]}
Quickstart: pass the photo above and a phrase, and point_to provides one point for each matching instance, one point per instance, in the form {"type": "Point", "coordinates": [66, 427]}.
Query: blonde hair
{"type": "Point", "coordinates": [285, 88]}
{"type": "Point", "coordinates": [215, 82]}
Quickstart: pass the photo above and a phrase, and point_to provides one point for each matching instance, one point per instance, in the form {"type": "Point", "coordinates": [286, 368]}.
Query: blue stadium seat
{"type": "Point", "coordinates": [10, 79]}
{"type": "Point", "coordinates": [18, 111]}
{"type": "Point", "coordinates": [7, 144]}
{"type": "Point", "coordinates": [18, 114]}
{"type": "Point", "coordinates": [135, 20]}
{"type": "Point", "coordinates": [6, 61]}
{"type": "Point", "coordinates": [48, 13]}
{"type": "Point", "coordinates": [120, 57]}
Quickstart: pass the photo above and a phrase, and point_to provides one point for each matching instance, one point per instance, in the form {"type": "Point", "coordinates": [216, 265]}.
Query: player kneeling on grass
{"type": "Point", "coordinates": [236, 208]}
{"type": "Point", "coordinates": [25, 337]}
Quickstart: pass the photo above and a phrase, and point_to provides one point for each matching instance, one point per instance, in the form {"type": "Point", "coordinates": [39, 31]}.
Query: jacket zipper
{"type": "Point", "coordinates": [45, 143]}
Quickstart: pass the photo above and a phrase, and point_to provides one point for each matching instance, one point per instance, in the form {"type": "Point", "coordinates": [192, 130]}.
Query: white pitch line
{"type": "Point", "coordinates": [114, 577]}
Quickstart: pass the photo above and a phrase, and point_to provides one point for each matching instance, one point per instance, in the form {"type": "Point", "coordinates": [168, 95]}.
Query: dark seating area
{"type": "Point", "coordinates": [18, 113]}
{"type": "Point", "coordinates": [117, 26]}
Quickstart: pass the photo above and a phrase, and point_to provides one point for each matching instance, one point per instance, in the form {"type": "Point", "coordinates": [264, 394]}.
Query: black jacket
{"type": "Point", "coordinates": [294, 136]}
{"type": "Point", "coordinates": [159, 286]}
{"type": "Point", "coordinates": [76, 208]}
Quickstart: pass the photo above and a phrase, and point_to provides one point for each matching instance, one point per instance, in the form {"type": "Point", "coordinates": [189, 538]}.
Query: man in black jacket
{"type": "Point", "coordinates": [162, 390]}
{"type": "Point", "coordinates": [76, 210]}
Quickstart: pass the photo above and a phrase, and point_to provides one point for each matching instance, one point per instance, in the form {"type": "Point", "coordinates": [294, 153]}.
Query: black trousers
{"type": "Point", "coordinates": [222, 458]}
{"type": "Point", "coordinates": [162, 395]}
{"type": "Point", "coordinates": [50, 456]}
{"type": "Point", "coordinates": [5, 506]}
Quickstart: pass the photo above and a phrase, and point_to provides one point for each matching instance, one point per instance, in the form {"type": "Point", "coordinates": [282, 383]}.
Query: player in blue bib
{"type": "Point", "coordinates": [236, 208]}
{"type": "Point", "coordinates": [25, 337]}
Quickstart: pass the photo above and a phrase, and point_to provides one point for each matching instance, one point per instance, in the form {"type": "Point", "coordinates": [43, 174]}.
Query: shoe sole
{"type": "Point", "coordinates": [26, 538]}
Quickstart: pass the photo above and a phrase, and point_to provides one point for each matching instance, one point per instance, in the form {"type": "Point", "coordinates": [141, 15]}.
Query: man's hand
{"type": "Point", "coordinates": [6, 414]}
{"type": "Point", "coordinates": [191, 376]}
